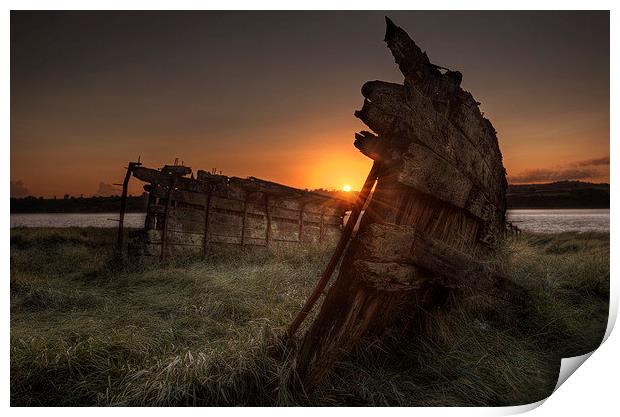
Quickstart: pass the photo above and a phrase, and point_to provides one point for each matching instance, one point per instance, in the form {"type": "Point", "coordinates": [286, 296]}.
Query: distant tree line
{"type": "Point", "coordinates": [343, 195]}
{"type": "Point", "coordinates": [70, 204]}
{"type": "Point", "coordinates": [563, 194]}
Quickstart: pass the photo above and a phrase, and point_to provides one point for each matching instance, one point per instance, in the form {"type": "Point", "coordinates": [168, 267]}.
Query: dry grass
{"type": "Point", "coordinates": [87, 329]}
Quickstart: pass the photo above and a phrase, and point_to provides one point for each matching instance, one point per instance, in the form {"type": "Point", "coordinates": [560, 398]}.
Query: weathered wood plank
{"type": "Point", "coordinates": [188, 197]}
{"type": "Point", "coordinates": [412, 62]}
{"type": "Point", "coordinates": [426, 78]}
{"type": "Point", "coordinates": [224, 224]}
{"type": "Point", "coordinates": [225, 238]}
{"type": "Point", "coordinates": [389, 276]}
{"type": "Point", "coordinates": [193, 218]}
{"type": "Point", "coordinates": [207, 219]}
{"type": "Point", "coordinates": [280, 213]}
{"type": "Point", "coordinates": [268, 218]}
{"type": "Point", "coordinates": [164, 235]}
{"type": "Point", "coordinates": [174, 237]}
{"type": "Point", "coordinates": [156, 177]}
{"type": "Point", "coordinates": [330, 221]}
{"type": "Point", "coordinates": [428, 173]}
{"type": "Point", "coordinates": [396, 244]}
{"type": "Point", "coordinates": [227, 203]}
{"type": "Point", "coordinates": [388, 114]}
{"type": "Point", "coordinates": [256, 228]}
{"type": "Point", "coordinates": [311, 217]}
{"type": "Point", "coordinates": [170, 251]}
{"type": "Point", "coordinates": [284, 230]}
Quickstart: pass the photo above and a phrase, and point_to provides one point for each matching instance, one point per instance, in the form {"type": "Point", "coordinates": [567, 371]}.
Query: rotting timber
{"type": "Point", "coordinates": [186, 215]}
{"type": "Point", "coordinates": [436, 217]}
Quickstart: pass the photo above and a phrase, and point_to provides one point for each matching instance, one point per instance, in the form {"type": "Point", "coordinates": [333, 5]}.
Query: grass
{"type": "Point", "coordinates": [87, 329]}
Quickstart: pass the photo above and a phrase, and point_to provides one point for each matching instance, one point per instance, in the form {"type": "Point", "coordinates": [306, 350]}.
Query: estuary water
{"type": "Point", "coordinates": [531, 220]}
{"type": "Point", "coordinates": [564, 220]}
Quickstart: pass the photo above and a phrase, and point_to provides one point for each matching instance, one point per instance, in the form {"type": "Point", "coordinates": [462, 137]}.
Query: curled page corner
{"type": "Point", "coordinates": [613, 314]}
{"type": "Point", "coordinates": [568, 366]}
{"type": "Point", "coordinates": [520, 409]}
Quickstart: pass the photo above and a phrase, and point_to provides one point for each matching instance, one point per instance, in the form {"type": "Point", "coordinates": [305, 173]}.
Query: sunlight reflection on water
{"type": "Point", "coordinates": [565, 220]}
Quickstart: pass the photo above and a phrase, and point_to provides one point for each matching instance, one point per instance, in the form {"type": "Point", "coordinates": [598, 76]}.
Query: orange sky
{"type": "Point", "coordinates": [272, 95]}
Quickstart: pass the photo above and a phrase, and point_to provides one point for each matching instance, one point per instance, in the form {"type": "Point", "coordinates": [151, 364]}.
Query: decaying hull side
{"type": "Point", "coordinates": [438, 207]}
{"type": "Point", "coordinates": [185, 215]}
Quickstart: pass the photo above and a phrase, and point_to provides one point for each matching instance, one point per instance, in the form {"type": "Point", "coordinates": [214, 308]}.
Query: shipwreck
{"type": "Point", "coordinates": [185, 215]}
{"type": "Point", "coordinates": [430, 217]}
{"type": "Point", "coordinates": [433, 223]}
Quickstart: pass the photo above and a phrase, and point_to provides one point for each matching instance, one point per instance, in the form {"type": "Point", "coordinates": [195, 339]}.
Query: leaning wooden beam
{"type": "Point", "coordinates": [337, 255]}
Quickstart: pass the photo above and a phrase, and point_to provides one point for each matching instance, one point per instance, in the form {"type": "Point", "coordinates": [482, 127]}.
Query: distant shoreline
{"type": "Point", "coordinates": [557, 208]}
{"type": "Point", "coordinates": [144, 211]}
{"type": "Point", "coordinates": [553, 196]}
{"type": "Point", "coordinates": [558, 195]}
{"type": "Point", "coordinates": [533, 220]}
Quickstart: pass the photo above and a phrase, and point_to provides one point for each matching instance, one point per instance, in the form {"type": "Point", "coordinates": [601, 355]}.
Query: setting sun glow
{"type": "Point", "coordinates": [346, 188]}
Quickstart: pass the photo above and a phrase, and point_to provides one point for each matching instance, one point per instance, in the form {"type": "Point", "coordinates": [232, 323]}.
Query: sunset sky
{"type": "Point", "coordinates": [272, 94]}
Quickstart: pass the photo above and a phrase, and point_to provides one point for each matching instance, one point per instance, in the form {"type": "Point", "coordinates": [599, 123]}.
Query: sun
{"type": "Point", "coordinates": [346, 188]}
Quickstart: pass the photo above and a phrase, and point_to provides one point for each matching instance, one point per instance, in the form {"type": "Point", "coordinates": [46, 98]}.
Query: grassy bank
{"type": "Point", "coordinates": [89, 330]}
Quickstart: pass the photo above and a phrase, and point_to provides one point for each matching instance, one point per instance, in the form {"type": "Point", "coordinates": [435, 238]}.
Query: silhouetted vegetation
{"type": "Point", "coordinates": [90, 329]}
{"type": "Point", "coordinates": [70, 204]}
{"type": "Point", "coordinates": [562, 194]}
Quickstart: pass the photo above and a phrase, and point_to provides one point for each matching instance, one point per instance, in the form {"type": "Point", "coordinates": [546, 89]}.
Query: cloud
{"type": "Point", "coordinates": [106, 190]}
{"type": "Point", "coordinates": [586, 169]}
{"type": "Point", "coordinates": [18, 189]}
{"type": "Point", "coordinates": [592, 162]}
{"type": "Point", "coordinates": [550, 175]}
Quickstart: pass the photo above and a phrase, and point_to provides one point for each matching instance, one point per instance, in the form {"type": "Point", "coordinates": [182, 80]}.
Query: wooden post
{"type": "Point", "coordinates": [164, 232]}
{"type": "Point", "coordinates": [301, 221]}
{"type": "Point", "coordinates": [121, 220]}
{"type": "Point", "coordinates": [245, 217]}
{"type": "Point", "coordinates": [321, 224]}
{"type": "Point", "coordinates": [268, 215]}
{"type": "Point", "coordinates": [206, 230]}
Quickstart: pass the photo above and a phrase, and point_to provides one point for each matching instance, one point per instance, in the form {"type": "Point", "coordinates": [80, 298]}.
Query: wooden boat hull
{"type": "Point", "coordinates": [436, 216]}
{"type": "Point", "coordinates": [186, 216]}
